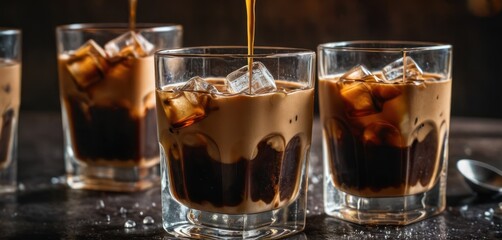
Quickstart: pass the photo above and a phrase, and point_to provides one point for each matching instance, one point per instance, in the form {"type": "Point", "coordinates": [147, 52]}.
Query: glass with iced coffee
{"type": "Point", "coordinates": [10, 98]}
{"type": "Point", "coordinates": [234, 141]}
{"type": "Point", "coordinates": [106, 75]}
{"type": "Point", "coordinates": [385, 112]}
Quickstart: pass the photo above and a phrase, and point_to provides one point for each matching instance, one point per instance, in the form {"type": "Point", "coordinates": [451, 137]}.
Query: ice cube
{"type": "Point", "coordinates": [87, 64]}
{"type": "Point", "coordinates": [194, 87]}
{"type": "Point", "coordinates": [358, 98]}
{"type": "Point", "coordinates": [184, 108]}
{"type": "Point", "coordinates": [129, 44]}
{"type": "Point", "coordinates": [402, 70]}
{"type": "Point", "coordinates": [359, 73]}
{"type": "Point", "coordinates": [262, 80]}
{"type": "Point", "coordinates": [385, 92]}
{"type": "Point", "coordinates": [382, 133]}
{"type": "Point", "coordinates": [198, 84]}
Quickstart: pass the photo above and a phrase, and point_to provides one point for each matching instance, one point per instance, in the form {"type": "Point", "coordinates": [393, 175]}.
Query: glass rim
{"type": "Point", "coordinates": [156, 27]}
{"type": "Point", "coordinates": [9, 31]}
{"type": "Point", "coordinates": [182, 52]}
{"type": "Point", "coordinates": [384, 46]}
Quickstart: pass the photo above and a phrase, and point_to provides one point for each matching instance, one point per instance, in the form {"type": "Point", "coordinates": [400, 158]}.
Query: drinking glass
{"type": "Point", "coordinates": [385, 113]}
{"type": "Point", "coordinates": [234, 151]}
{"type": "Point", "coordinates": [107, 85]}
{"type": "Point", "coordinates": [10, 97]}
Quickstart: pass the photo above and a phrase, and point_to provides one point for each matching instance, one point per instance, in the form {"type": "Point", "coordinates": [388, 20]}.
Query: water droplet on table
{"type": "Point", "coordinates": [123, 211]}
{"type": "Point", "coordinates": [100, 204]}
{"type": "Point", "coordinates": [148, 220]}
{"type": "Point", "coordinates": [130, 224]}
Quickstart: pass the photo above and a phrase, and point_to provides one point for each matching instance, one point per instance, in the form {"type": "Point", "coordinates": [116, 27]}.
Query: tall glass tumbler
{"type": "Point", "coordinates": [10, 98]}
{"type": "Point", "coordinates": [234, 151]}
{"type": "Point", "coordinates": [107, 85]}
{"type": "Point", "coordinates": [385, 113]}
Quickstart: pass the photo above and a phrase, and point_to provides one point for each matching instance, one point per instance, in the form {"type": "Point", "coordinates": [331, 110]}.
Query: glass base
{"type": "Point", "coordinates": [385, 211]}
{"type": "Point", "coordinates": [182, 222]}
{"type": "Point", "coordinates": [119, 179]}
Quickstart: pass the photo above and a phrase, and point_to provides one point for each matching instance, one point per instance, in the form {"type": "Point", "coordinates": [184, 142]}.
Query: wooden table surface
{"type": "Point", "coordinates": [44, 208]}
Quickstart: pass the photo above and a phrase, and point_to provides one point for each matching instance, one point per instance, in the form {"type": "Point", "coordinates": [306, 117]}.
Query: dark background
{"type": "Point", "coordinates": [473, 27]}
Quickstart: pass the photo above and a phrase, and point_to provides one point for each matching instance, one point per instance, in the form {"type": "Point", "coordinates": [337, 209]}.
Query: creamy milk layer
{"type": "Point", "coordinates": [250, 148]}
{"type": "Point", "coordinates": [10, 81]}
{"type": "Point", "coordinates": [385, 139]}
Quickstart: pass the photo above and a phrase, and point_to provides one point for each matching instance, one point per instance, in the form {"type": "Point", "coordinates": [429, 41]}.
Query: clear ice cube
{"type": "Point", "coordinates": [129, 44]}
{"type": "Point", "coordinates": [87, 64]}
{"type": "Point", "coordinates": [187, 104]}
{"type": "Point", "coordinates": [364, 93]}
{"type": "Point", "coordinates": [359, 73]}
{"type": "Point", "coordinates": [198, 84]}
{"type": "Point", "coordinates": [262, 80]}
{"type": "Point", "coordinates": [185, 110]}
{"type": "Point", "coordinates": [194, 87]}
{"type": "Point", "coordinates": [358, 98]}
{"type": "Point", "coordinates": [402, 70]}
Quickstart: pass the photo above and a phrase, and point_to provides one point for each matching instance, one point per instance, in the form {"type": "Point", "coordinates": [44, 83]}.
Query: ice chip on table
{"type": "Point", "coordinates": [129, 44]}
{"type": "Point", "coordinates": [403, 69]}
{"type": "Point", "coordinates": [87, 64]}
{"type": "Point", "coordinates": [262, 80]}
{"type": "Point", "coordinates": [359, 73]}
{"type": "Point", "coordinates": [382, 133]}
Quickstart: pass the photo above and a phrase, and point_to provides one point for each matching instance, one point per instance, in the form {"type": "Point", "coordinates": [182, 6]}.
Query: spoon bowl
{"type": "Point", "coordinates": [483, 178]}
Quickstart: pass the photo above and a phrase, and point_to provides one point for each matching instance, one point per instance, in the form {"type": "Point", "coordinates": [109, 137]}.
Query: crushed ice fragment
{"type": "Point", "coordinates": [130, 224]}
{"type": "Point", "coordinates": [129, 44]}
{"type": "Point", "coordinates": [148, 220]}
{"type": "Point", "coordinates": [262, 80]}
{"type": "Point", "coordinates": [403, 69]}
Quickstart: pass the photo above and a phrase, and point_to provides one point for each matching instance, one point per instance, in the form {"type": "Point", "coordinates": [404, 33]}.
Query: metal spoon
{"type": "Point", "coordinates": [481, 177]}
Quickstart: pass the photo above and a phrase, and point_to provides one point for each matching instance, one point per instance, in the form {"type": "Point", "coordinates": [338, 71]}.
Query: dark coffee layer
{"type": "Point", "coordinates": [366, 168]}
{"type": "Point", "coordinates": [111, 133]}
{"type": "Point", "coordinates": [271, 177]}
{"type": "Point", "coordinates": [383, 139]}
